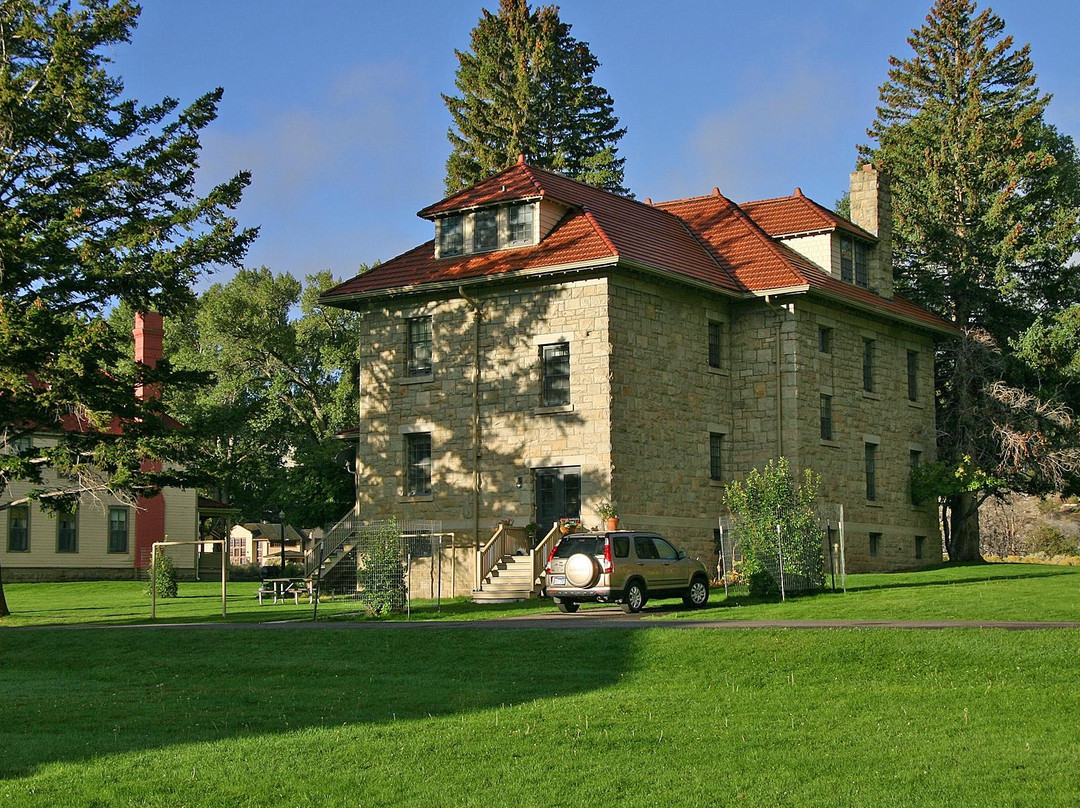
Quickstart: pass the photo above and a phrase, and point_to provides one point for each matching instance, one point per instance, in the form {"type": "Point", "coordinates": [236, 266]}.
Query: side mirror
{"type": "Point", "coordinates": [682, 555]}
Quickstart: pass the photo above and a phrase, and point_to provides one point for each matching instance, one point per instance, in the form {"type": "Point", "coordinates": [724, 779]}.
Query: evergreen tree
{"type": "Point", "coordinates": [526, 87]}
{"type": "Point", "coordinates": [97, 205]}
{"type": "Point", "coordinates": [986, 199]}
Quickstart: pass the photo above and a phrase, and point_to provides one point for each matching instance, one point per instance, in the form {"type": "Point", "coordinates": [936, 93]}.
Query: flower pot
{"type": "Point", "coordinates": [612, 523]}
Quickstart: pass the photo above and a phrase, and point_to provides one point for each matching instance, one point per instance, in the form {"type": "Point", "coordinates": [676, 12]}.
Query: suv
{"type": "Point", "coordinates": [625, 567]}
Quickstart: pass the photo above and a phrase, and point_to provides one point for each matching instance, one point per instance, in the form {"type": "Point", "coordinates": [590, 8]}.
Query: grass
{"type": "Point", "coordinates": [975, 592]}
{"type": "Point", "coordinates": [345, 716]}
{"type": "Point", "coordinates": [948, 592]}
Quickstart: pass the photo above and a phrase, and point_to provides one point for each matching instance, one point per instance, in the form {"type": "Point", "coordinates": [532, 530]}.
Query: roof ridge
{"type": "Point", "coordinates": [755, 228]}
{"type": "Point", "coordinates": [599, 230]}
{"type": "Point", "coordinates": [708, 249]}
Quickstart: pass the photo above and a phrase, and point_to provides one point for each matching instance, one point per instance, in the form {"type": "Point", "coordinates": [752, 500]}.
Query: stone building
{"type": "Point", "coordinates": [555, 346]}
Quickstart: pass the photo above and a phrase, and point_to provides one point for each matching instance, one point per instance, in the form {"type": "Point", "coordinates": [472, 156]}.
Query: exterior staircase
{"type": "Point", "coordinates": [511, 579]}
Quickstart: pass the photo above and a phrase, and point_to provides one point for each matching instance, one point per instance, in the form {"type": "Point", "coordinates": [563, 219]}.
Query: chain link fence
{"type": "Point", "coordinates": [792, 570]}
{"type": "Point", "coordinates": [367, 566]}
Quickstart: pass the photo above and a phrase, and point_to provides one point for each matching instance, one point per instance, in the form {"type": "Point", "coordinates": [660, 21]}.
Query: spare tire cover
{"type": "Point", "coordinates": [581, 570]}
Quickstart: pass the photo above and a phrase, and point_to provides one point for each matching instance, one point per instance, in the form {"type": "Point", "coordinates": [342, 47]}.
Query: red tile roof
{"type": "Point", "coordinates": [708, 239]}
{"type": "Point", "coordinates": [790, 215]}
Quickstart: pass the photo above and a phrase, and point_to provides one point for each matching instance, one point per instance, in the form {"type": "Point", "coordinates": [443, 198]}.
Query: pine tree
{"type": "Point", "coordinates": [526, 87]}
{"type": "Point", "coordinates": [986, 204]}
{"type": "Point", "coordinates": [97, 206]}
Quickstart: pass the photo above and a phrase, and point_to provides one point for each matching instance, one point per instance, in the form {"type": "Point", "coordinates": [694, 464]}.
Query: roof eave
{"type": "Point", "coordinates": [423, 214]}
{"type": "Point", "coordinates": [943, 329]}
{"type": "Point", "coordinates": [450, 285]}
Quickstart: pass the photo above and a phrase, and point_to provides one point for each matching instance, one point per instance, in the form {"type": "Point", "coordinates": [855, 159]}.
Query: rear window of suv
{"type": "Point", "coordinates": [590, 545]}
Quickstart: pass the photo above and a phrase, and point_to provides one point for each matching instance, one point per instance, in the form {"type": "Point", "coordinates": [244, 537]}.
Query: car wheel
{"type": "Point", "coordinates": [698, 593]}
{"type": "Point", "coordinates": [634, 598]}
{"type": "Point", "coordinates": [567, 606]}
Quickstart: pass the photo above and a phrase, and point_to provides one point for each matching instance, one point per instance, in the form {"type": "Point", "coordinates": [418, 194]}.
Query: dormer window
{"type": "Point", "coordinates": [495, 228]}
{"type": "Point", "coordinates": [520, 219]}
{"type": "Point", "coordinates": [854, 261]}
{"type": "Point", "coordinates": [486, 230]}
{"type": "Point", "coordinates": [451, 236]}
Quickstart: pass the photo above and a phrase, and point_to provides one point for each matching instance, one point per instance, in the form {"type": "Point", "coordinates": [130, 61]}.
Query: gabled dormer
{"type": "Point", "coordinates": [507, 211]}
{"type": "Point", "coordinates": [856, 251]}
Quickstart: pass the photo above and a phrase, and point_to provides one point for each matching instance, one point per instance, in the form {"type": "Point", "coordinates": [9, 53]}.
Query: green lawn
{"type": "Point", "coordinates": [976, 592]}
{"type": "Point", "coordinates": [444, 716]}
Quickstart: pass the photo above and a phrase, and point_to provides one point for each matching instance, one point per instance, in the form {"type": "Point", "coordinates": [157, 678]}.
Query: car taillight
{"type": "Point", "coordinates": [606, 565]}
{"type": "Point", "coordinates": [551, 555]}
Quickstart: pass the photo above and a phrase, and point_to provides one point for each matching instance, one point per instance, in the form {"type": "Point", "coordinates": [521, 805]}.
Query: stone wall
{"type": "Point", "coordinates": [884, 417]}
{"type": "Point", "coordinates": [666, 400]}
{"type": "Point", "coordinates": [518, 434]}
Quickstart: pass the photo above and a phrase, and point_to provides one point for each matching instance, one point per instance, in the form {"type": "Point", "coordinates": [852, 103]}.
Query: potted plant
{"type": "Point", "coordinates": [569, 525]}
{"type": "Point", "coordinates": [608, 514]}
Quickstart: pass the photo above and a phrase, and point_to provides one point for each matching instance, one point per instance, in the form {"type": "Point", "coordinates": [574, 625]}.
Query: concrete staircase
{"type": "Point", "coordinates": [510, 580]}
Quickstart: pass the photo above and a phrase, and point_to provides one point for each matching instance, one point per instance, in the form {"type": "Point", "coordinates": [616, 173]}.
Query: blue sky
{"type": "Point", "coordinates": [335, 106]}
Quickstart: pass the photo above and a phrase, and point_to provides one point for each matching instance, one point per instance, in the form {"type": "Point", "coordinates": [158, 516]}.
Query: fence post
{"type": "Point", "coordinates": [723, 563]}
{"type": "Point", "coordinates": [780, 555]}
{"type": "Point", "coordinates": [843, 560]}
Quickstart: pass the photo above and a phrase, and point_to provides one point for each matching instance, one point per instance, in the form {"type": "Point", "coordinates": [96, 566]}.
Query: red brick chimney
{"type": "Point", "coordinates": [149, 511]}
{"type": "Point", "coordinates": [149, 332]}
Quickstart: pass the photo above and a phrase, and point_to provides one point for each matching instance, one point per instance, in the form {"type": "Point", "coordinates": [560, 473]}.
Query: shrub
{"type": "Point", "coordinates": [162, 577]}
{"type": "Point", "coordinates": [1052, 542]}
{"type": "Point", "coordinates": [380, 572]}
{"type": "Point", "coordinates": [768, 499]}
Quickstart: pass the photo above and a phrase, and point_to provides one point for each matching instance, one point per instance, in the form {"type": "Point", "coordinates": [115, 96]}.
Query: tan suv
{"type": "Point", "coordinates": [625, 567]}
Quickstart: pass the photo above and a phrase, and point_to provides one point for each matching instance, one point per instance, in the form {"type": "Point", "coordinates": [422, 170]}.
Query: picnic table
{"type": "Point", "coordinates": [282, 588]}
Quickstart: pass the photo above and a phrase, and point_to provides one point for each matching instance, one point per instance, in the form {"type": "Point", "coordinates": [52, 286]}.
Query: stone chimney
{"type": "Point", "coordinates": [871, 209]}
{"type": "Point", "coordinates": [149, 333]}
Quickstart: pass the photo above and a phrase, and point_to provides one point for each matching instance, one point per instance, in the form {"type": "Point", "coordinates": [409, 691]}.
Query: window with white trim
{"type": "Point", "coordinates": [417, 464]}
{"type": "Point", "coordinates": [418, 346]}
{"type": "Point", "coordinates": [555, 374]}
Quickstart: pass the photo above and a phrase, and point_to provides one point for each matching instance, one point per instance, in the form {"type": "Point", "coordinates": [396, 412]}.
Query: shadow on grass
{"type": "Point", "coordinates": [72, 696]}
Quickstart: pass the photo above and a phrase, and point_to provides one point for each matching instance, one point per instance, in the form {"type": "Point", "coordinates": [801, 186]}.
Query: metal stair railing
{"type": "Point", "coordinates": [324, 549]}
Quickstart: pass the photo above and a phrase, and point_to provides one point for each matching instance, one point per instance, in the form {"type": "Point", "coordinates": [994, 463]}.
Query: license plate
{"type": "Point", "coordinates": [557, 580]}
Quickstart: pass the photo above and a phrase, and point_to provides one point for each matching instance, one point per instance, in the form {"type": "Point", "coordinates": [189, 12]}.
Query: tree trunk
{"type": "Point", "coordinates": [4, 610]}
{"type": "Point", "coordinates": [963, 537]}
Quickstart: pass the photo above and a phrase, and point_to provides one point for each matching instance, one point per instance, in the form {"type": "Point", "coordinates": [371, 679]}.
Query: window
{"type": "Point", "coordinates": [868, 365]}
{"type": "Point", "coordinates": [18, 529]}
{"type": "Point", "coordinates": [920, 545]}
{"type": "Point", "coordinates": [826, 417]}
{"type": "Point", "coordinates": [913, 375]}
{"type": "Point", "coordinates": [418, 349]}
{"type": "Point", "coordinates": [875, 544]}
{"type": "Point", "coordinates": [714, 344]}
{"type": "Point", "coordinates": [67, 533]}
{"type": "Point", "coordinates": [520, 224]}
{"type": "Point", "coordinates": [485, 230]}
{"type": "Point", "coordinates": [21, 445]}
{"type": "Point", "coordinates": [854, 261]}
{"type": "Point", "coordinates": [118, 530]}
{"type": "Point", "coordinates": [716, 468]}
{"type": "Point", "coordinates": [824, 339]}
{"type": "Point", "coordinates": [418, 464]}
{"type": "Point", "coordinates": [871, 471]}
{"type": "Point", "coordinates": [914, 459]}
{"type": "Point", "coordinates": [862, 265]}
{"type": "Point", "coordinates": [556, 374]}
{"type": "Point", "coordinates": [451, 236]}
